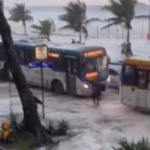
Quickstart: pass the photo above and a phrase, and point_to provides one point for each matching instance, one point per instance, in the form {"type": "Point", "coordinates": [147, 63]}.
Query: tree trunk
{"type": "Point", "coordinates": [80, 36]}
{"type": "Point", "coordinates": [122, 29]}
{"type": "Point", "coordinates": [128, 47]}
{"type": "Point", "coordinates": [24, 26]}
{"type": "Point", "coordinates": [128, 36]}
{"type": "Point", "coordinates": [31, 118]}
{"type": "Point", "coordinates": [117, 31]}
{"type": "Point", "coordinates": [108, 31]}
{"type": "Point", "coordinates": [48, 37]}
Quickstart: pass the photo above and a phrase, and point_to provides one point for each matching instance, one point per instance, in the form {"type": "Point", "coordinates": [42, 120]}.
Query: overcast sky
{"type": "Point", "coordinates": [56, 2]}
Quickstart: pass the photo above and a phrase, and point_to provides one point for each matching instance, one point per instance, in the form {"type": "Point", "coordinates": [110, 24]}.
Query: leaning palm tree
{"type": "Point", "coordinates": [76, 19]}
{"type": "Point", "coordinates": [45, 27]}
{"type": "Point", "coordinates": [20, 14]}
{"type": "Point", "coordinates": [124, 13]}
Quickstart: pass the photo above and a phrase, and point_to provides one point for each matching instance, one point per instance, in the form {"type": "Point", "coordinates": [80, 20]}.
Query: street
{"type": "Point", "coordinates": [97, 128]}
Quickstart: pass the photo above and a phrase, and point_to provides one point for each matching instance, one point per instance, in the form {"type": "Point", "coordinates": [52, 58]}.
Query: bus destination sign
{"type": "Point", "coordinates": [93, 53]}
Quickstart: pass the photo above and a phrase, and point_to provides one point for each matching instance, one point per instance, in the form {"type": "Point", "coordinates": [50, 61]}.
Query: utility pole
{"type": "Point", "coordinates": [42, 82]}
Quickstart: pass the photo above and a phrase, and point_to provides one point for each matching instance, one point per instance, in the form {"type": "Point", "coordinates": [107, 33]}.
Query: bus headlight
{"type": "Point", "coordinates": [108, 79]}
{"type": "Point", "coordinates": [85, 86]}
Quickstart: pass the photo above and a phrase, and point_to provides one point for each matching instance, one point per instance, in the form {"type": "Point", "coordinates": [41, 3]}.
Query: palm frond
{"type": "Point", "coordinates": [114, 7]}
{"type": "Point", "coordinates": [66, 27]}
{"type": "Point", "coordinates": [45, 27]}
{"type": "Point", "coordinates": [142, 17]}
{"type": "Point", "coordinates": [75, 16]}
{"type": "Point", "coordinates": [36, 27]}
{"type": "Point", "coordinates": [20, 13]}
{"type": "Point", "coordinates": [113, 19]}
{"type": "Point", "coordinates": [92, 20]}
{"type": "Point", "coordinates": [109, 25]}
{"type": "Point", "coordinates": [29, 18]}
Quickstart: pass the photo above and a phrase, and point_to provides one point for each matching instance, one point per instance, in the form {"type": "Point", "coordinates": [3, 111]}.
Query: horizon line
{"type": "Point", "coordinates": [62, 5]}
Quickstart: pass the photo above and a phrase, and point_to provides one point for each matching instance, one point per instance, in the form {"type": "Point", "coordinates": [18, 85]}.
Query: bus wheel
{"type": "Point", "coordinates": [57, 87]}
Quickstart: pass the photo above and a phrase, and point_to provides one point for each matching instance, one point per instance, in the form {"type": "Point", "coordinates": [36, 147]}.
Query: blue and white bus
{"type": "Point", "coordinates": [75, 67]}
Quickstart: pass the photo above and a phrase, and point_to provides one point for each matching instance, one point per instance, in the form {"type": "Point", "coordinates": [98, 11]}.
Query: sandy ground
{"type": "Point", "coordinates": [97, 128]}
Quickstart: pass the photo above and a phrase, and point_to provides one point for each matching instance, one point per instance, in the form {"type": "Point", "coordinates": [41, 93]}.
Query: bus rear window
{"type": "Point", "coordinates": [130, 75]}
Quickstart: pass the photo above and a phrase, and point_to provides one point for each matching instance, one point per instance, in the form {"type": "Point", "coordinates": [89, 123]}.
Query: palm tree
{"type": "Point", "coordinates": [45, 27]}
{"type": "Point", "coordinates": [124, 13]}
{"type": "Point", "coordinates": [76, 18]}
{"type": "Point", "coordinates": [20, 13]}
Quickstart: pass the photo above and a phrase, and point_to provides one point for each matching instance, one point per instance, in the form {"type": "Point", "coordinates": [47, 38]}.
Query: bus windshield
{"type": "Point", "coordinates": [96, 66]}
{"type": "Point", "coordinates": [129, 75]}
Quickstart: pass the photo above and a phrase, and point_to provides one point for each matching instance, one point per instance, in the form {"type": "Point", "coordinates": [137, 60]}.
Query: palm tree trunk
{"type": "Point", "coordinates": [31, 118]}
{"type": "Point", "coordinates": [48, 37]}
{"type": "Point", "coordinates": [128, 36]}
{"type": "Point", "coordinates": [80, 36]}
{"type": "Point", "coordinates": [128, 50]}
{"type": "Point", "coordinates": [108, 31]}
{"type": "Point", "coordinates": [24, 26]}
{"type": "Point", "coordinates": [117, 31]}
{"type": "Point", "coordinates": [142, 29]}
{"type": "Point", "coordinates": [122, 29]}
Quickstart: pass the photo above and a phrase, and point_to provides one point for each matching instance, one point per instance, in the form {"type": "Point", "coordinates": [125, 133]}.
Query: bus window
{"type": "Point", "coordinates": [57, 62]}
{"type": "Point", "coordinates": [142, 79]}
{"type": "Point", "coordinates": [130, 75]}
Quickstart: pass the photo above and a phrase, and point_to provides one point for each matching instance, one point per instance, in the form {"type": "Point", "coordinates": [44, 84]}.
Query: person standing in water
{"type": "Point", "coordinates": [123, 50]}
{"type": "Point", "coordinates": [96, 95]}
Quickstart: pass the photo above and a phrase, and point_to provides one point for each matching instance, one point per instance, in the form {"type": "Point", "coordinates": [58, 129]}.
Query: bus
{"type": "Point", "coordinates": [135, 83]}
{"type": "Point", "coordinates": [75, 67]}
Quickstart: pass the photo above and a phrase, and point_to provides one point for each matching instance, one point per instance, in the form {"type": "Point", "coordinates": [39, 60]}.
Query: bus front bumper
{"type": "Point", "coordinates": [85, 90]}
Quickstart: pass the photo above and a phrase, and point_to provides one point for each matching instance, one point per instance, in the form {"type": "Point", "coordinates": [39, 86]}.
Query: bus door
{"type": "Point", "coordinates": [129, 85]}
{"type": "Point", "coordinates": [71, 71]}
{"type": "Point", "coordinates": [148, 90]}
{"type": "Point", "coordinates": [142, 88]}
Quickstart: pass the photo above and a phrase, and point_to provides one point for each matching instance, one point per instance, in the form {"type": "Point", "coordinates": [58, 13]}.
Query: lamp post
{"type": "Point", "coordinates": [9, 85]}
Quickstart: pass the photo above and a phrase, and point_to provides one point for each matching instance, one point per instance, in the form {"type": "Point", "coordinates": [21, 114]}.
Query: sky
{"type": "Point", "coordinates": [56, 2]}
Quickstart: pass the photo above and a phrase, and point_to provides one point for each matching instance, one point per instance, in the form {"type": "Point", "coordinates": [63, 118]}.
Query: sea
{"type": "Point", "coordinates": [140, 27]}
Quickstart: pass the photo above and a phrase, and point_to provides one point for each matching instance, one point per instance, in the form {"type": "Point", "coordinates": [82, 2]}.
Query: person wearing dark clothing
{"type": "Point", "coordinates": [96, 95]}
{"type": "Point", "coordinates": [123, 50]}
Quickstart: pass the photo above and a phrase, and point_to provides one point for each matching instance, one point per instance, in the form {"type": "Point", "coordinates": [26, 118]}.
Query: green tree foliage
{"type": "Point", "coordinates": [20, 14]}
{"type": "Point", "coordinates": [45, 27]}
{"type": "Point", "coordinates": [76, 19]}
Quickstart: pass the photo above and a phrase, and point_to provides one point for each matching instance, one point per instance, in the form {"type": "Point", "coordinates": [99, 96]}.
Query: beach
{"type": "Point", "coordinates": [97, 129]}
{"type": "Point", "coordinates": [140, 27]}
